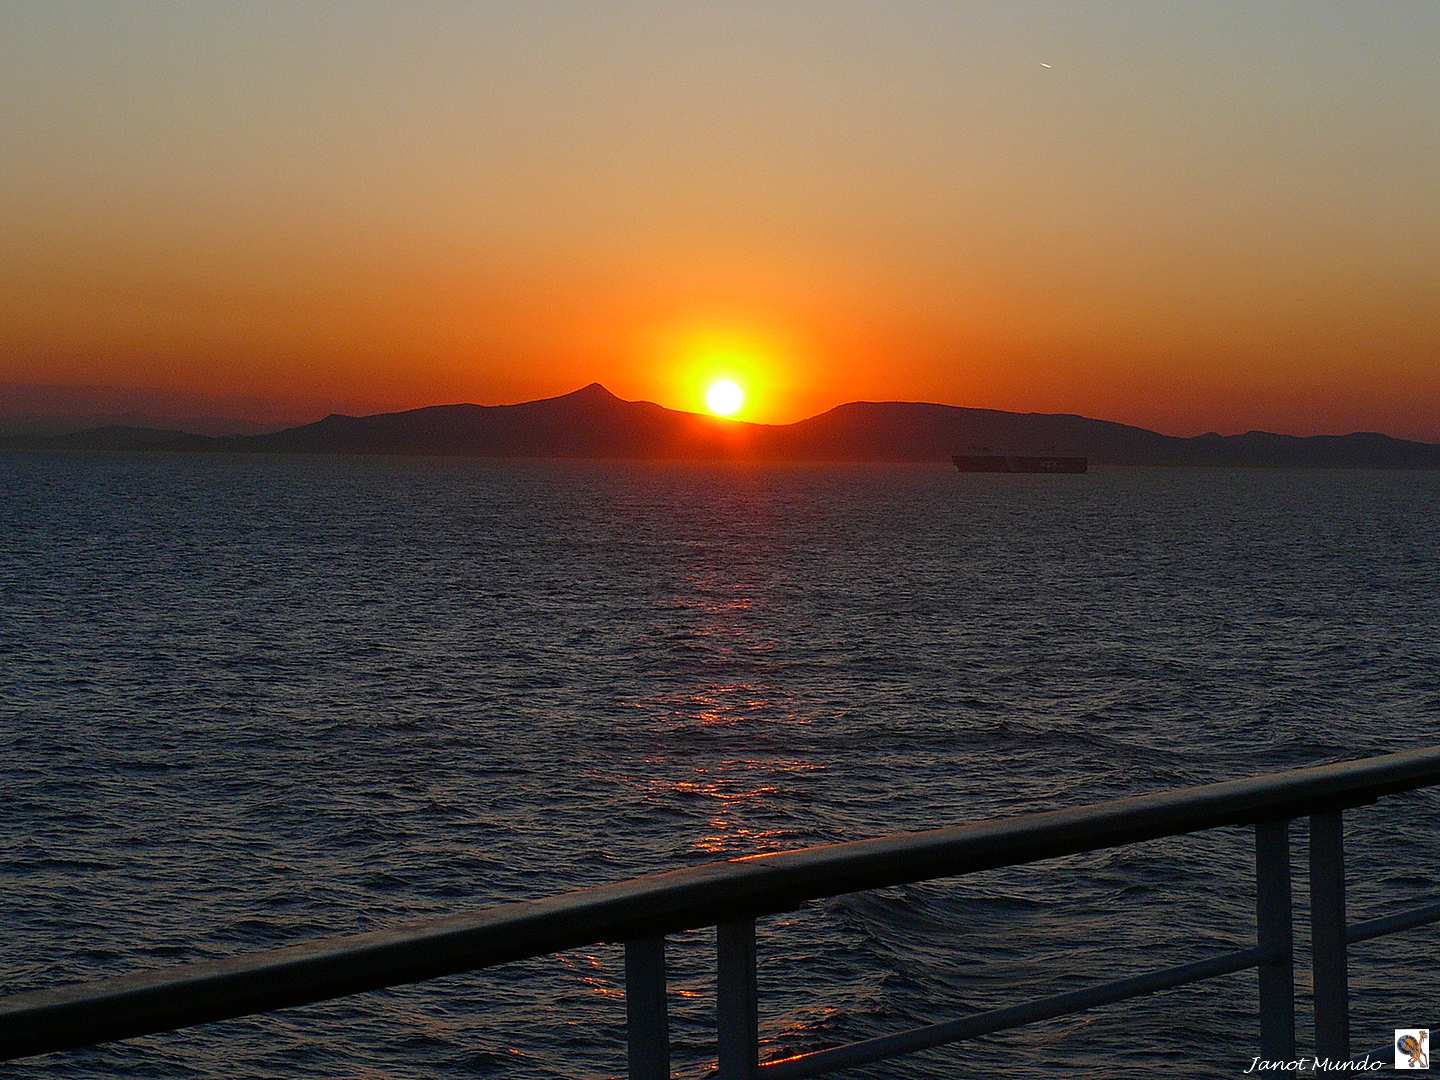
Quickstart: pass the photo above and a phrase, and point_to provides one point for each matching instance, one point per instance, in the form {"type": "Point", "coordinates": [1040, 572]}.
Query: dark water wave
{"type": "Point", "coordinates": [247, 702]}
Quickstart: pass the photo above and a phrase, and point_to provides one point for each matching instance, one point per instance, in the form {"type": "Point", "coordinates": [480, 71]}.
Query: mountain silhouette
{"type": "Point", "coordinates": [590, 422]}
{"type": "Point", "coordinates": [121, 437]}
{"type": "Point", "coordinates": [593, 423]}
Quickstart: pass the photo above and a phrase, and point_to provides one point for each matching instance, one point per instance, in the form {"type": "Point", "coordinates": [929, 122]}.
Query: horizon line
{"type": "Point", "coordinates": [597, 385]}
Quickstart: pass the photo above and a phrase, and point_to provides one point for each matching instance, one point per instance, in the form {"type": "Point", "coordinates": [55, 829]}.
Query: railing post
{"type": "Point", "coordinates": [1275, 934]}
{"type": "Point", "coordinates": [738, 1013]}
{"type": "Point", "coordinates": [1327, 935]}
{"type": "Point", "coordinates": [647, 1022]}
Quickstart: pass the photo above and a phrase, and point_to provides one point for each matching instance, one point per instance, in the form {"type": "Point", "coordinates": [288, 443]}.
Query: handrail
{"type": "Point", "coordinates": [819, 1062]}
{"type": "Point", "coordinates": [647, 908]}
{"type": "Point", "coordinates": [1393, 924]}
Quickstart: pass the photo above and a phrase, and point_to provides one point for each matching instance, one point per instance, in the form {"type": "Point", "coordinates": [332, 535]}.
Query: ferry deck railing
{"type": "Point", "coordinates": [732, 895]}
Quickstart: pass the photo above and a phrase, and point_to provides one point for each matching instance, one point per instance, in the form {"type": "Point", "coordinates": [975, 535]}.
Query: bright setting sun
{"type": "Point", "coordinates": [724, 397]}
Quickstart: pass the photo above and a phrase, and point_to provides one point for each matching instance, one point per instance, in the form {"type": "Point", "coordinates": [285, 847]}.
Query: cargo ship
{"type": "Point", "coordinates": [988, 460]}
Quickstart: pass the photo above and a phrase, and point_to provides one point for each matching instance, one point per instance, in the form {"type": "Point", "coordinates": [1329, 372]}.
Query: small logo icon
{"type": "Point", "coordinates": [1412, 1048]}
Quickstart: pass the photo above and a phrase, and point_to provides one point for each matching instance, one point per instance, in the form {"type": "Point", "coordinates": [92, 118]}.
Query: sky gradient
{"type": "Point", "coordinates": [1208, 216]}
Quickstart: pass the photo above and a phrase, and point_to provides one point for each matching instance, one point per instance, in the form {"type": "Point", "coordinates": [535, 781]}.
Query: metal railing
{"type": "Point", "coordinates": [731, 895]}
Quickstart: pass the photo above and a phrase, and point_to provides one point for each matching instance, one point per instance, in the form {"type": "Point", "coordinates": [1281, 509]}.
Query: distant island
{"type": "Point", "coordinates": [594, 423]}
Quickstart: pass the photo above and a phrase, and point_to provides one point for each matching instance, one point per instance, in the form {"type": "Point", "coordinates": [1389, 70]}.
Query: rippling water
{"type": "Point", "coordinates": [249, 701]}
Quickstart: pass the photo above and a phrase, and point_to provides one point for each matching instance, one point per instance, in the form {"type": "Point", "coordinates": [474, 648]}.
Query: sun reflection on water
{"type": "Point", "coordinates": [593, 973]}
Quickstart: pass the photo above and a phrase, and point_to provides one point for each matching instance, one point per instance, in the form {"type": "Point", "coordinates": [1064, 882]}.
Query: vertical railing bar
{"type": "Point", "coordinates": [647, 1021]}
{"type": "Point", "coordinates": [1275, 934]}
{"type": "Point", "coordinates": [737, 1005]}
{"type": "Point", "coordinates": [1327, 933]}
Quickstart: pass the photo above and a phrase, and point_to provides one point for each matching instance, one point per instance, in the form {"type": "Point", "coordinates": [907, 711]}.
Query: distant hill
{"type": "Point", "coordinates": [592, 422]}
{"type": "Point", "coordinates": [39, 409]}
{"type": "Point", "coordinates": [112, 437]}
{"type": "Point", "coordinates": [910, 431]}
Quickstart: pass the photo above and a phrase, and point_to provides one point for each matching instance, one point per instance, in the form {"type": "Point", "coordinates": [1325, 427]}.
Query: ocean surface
{"type": "Point", "coordinates": [246, 701]}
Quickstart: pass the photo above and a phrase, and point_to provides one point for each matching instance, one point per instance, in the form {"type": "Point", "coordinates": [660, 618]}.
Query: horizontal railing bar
{"type": "Point", "coordinates": [1393, 924]}
{"type": "Point", "coordinates": [986, 1023]}
{"type": "Point", "coordinates": [167, 999]}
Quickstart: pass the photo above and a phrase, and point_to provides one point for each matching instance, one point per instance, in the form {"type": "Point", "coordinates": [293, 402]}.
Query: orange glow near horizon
{"type": "Point", "coordinates": [723, 370]}
{"type": "Point", "coordinates": [277, 212]}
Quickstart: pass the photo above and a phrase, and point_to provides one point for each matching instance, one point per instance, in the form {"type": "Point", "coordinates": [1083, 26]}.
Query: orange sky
{"type": "Point", "coordinates": [1213, 217]}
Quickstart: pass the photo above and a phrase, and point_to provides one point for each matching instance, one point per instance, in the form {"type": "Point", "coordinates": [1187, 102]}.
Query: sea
{"type": "Point", "coordinates": [247, 701]}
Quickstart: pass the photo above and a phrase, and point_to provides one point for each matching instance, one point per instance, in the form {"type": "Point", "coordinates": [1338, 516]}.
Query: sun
{"type": "Point", "coordinates": [724, 397]}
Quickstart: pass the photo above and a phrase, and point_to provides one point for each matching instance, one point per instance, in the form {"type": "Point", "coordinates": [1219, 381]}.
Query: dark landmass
{"type": "Point", "coordinates": [41, 425]}
{"type": "Point", "coordinates": [593, 423]}
{"type": "Point", "coordinates": [38, 410]}
{"type": "Point", "coordinates": [111, 437]}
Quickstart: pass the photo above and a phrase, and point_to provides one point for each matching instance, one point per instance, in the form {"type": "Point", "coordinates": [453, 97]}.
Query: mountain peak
{"type": "Point", "coordinates": [593, 390]}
